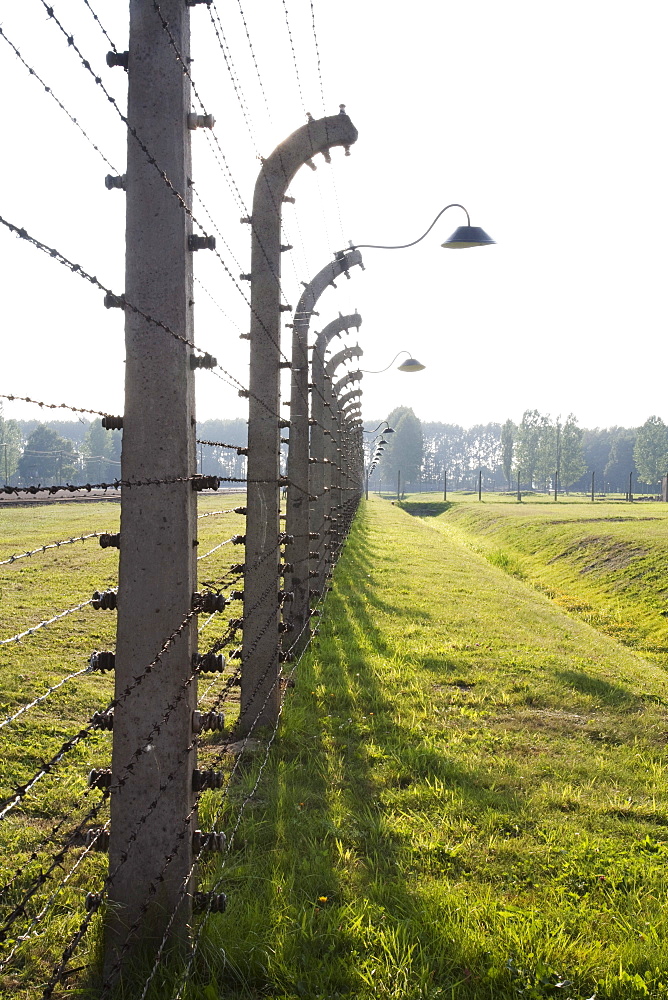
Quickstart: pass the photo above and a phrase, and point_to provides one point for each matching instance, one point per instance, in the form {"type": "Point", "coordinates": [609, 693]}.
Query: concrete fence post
{"type": "Point", "coordinates": [343, 487]}
{"type": "Point", "coordinates": [300, 479]}
{"type": "Point", "coordinates": [157, 574]}
{"type": "Point", "coordinates": [260, 694]}
{"type": "Point", "coordinates": [323, 442]}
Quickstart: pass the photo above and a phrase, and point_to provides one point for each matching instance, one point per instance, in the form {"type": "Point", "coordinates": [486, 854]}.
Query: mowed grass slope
{"type": "Point", "coordinates": [467, 798]}
{"type": "Point", "coordinates": [606, 562]}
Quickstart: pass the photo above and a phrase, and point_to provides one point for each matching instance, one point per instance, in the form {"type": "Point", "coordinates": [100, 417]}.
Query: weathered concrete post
{"type": "Point", "coordinates": [158, 523]}
{"type": "Point", "coordinates": [351, 432]}
{"type": "Point", "coordinates": [344, 399]}
{"type": "Point", "coordinates": [260, 693]}
{"type": "Point", "coordinates": [340, 492]}
{"type": "Point", "coordinates": [299, 478]}
{"type": "Point", "coordinates": [322, 441]}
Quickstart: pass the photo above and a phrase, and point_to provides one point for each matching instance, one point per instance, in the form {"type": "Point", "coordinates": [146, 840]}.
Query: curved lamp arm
{"type": "Point", "coordinates": [404, 246]}
{"type": "Point", "coordinates": [389, 366]}
{"type": "Point", "coordinates": [382, 421]}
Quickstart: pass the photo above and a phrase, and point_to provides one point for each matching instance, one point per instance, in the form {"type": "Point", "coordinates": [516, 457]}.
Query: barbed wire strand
{"type": "Point", "coordinates": [51, 545]}
{"type": "Point", "coordinates": [227, 541]}
{"type": "Point", "coordinates": [217, 304]}
{"type": "Point", "coordinates": [213, 222]}
{"type": "Point", "coordinates": [324, 110]}
{"type": "Point", "coordinates": [43, 697]}
{"type": "Point", "coordinates": [255, 64]}
{"type": "Point", "coordinates": [74, 941]}
{"type": "Point", "coordinates": [20, 791]}
{"type": "Point", "coordinates": [206, 482]}
{"type": "Point", "coordinates": [52, 406]}
{"type": "Point", "coordinates": [39, 917]}
{"type": "Point", "coordinates": [195, 944]}
{"type": "Point", "coordinates": [60, 104]}
{"type": "Point", "coordinates": [132, 930]}
{"type": "Point", "coordinates": [49, 621]}
{"type": "Point", "coordinates": [212, 138]}
{"type": "Point", "coordinates": [100, 25]}
{"type": "Point", "coordinates": [219, 444]}
{"type": "Point", "coordinates": [92, 279]}
{"type": "Point", "coordinates": [213, 513]}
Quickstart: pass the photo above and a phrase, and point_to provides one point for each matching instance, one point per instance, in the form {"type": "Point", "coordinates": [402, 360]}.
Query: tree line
{"type": "Point", "coordinates": [539, 449]}
{"type": "Point", "coordinates": [82, 451]}
{"type": "Point", "coordinates": [542, 451]}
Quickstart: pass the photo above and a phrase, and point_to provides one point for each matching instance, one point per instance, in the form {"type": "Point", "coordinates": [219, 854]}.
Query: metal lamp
{"type": "Point", "coordinates": [410, 365]}
{"type": "Point", "coordinates": [463, 236]}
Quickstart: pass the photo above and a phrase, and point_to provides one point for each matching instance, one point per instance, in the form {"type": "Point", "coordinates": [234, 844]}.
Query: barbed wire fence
{"type": "Point", "coordinates": [141, 812]}
{"type": "Point", "coordinates": [151, 883]}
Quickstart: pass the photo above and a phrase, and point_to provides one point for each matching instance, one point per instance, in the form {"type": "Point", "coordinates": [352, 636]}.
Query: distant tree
{"type": "Point", "coordinates": [101, 453]}
{"type": "Point", "coordinates": [529, 434]}
{"type": "Point", "coordinates": [10, 448]}
{"type": "Point", "coordinates": [217, 460]}
{"type": "Point", "coordinates": [74, 430]}
{"type": "Point", "coordinates": [571, 462]}
{"type": "Point", "coordinates": [483, 445]}
{"type": "Point", "coordinates": [507, 448]}
{"type": "Point", "coordinates": [621, 463]}
{"type": "Point", "coordinates": [47, 458]}
{"type": "Point", "coordinates": [651, 450]}
{"type": "Point", "coordinates": [596, 445]}
{"type": "Point", "coordinates": [549, 450]}
{"type": "Point", "coordinates": [403, 451]}
{"type": "Point", "coordinates": [444, 450]}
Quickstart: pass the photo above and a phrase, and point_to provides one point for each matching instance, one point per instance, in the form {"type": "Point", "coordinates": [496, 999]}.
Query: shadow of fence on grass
{"type": "Point", "coordinates": [318, 865]}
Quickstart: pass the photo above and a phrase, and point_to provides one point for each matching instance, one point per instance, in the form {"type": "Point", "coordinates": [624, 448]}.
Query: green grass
{"type": "Point", "coordinates": [466, 800]}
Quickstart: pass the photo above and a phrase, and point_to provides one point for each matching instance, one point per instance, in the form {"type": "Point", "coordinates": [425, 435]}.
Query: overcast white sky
{"type": "Point", "coordinates": [545, 119]}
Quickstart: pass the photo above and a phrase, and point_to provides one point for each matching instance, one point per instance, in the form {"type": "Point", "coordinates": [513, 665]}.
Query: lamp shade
{"type": "Point", "coordinates": [410, 365]}
{"type": "Point", "coordinates": [468, 236]}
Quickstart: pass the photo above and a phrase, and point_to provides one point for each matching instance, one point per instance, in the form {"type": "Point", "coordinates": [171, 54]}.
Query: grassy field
{"type": "Point", "coordinates": [467, 797]}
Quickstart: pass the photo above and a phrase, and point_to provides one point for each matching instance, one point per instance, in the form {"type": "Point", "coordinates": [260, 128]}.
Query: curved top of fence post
{"type": "Point", "coordinates": [279, 168]}
{"type": "Point", "coordinates": [335, 329]}
{"type": "Point", "coordinates": [347, 379]}
{"type": "Point", "coordinates": [355, 351]}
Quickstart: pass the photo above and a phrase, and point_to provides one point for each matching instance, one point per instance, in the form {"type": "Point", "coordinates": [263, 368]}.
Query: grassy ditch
{"type": "Point", "coordinates": [606, 562]}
